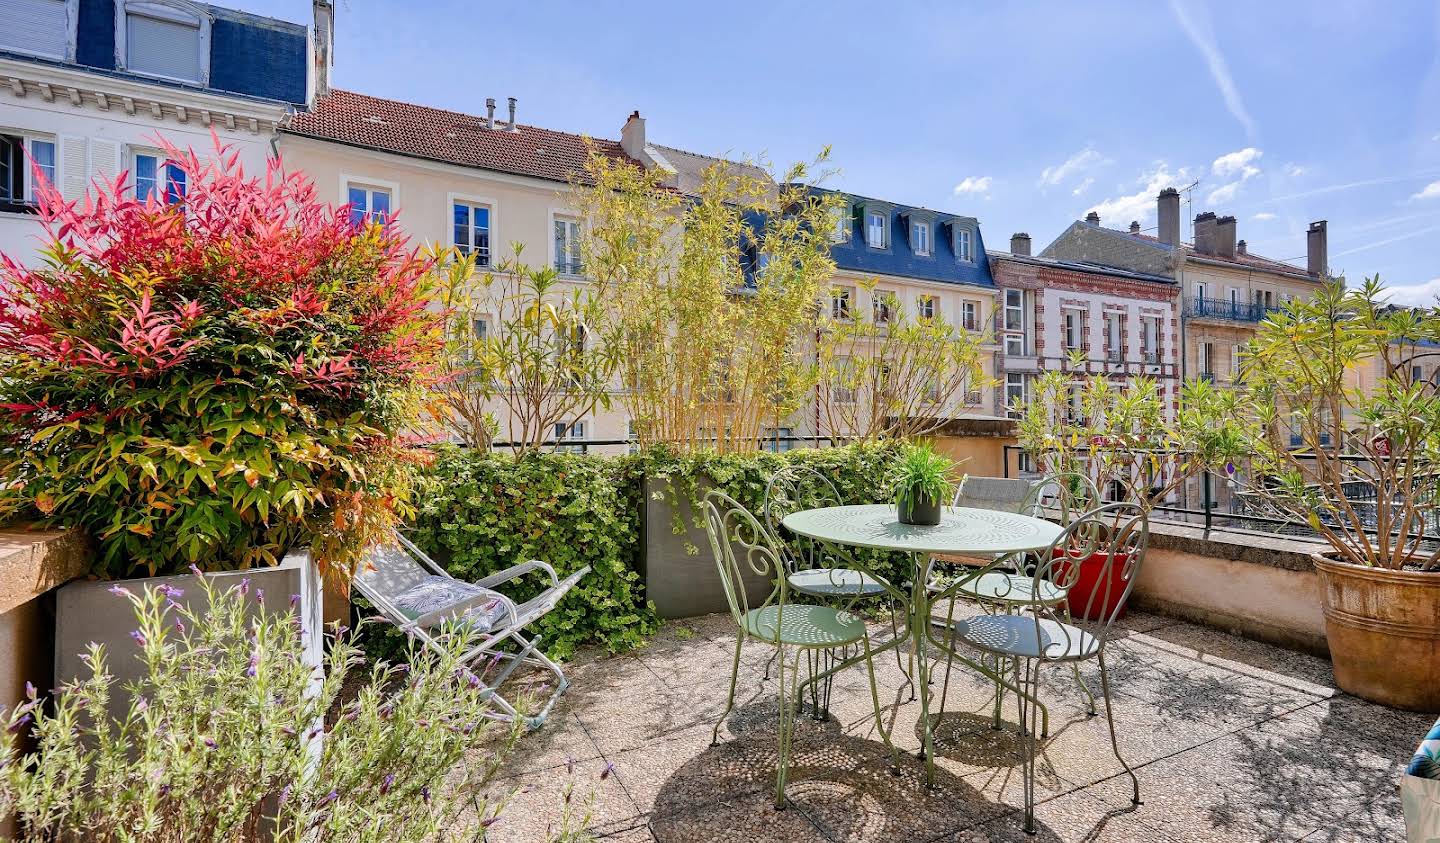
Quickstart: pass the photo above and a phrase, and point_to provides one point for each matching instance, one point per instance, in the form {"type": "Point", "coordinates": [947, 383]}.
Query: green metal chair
{"type": "Point", "coordinates": [741, 543]}
{"type": "Point", "coordinates": [817, 570]}
{"type": "Point", "coordinates": [1042, 631]}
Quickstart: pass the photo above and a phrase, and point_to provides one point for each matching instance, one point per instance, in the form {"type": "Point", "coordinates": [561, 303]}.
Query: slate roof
{"type": "Point", "coordinates": [451, 137]}
{"type": "Point", "coordinates": [690, 167]}
{"type": "Point", "coordinates": [1248, 260]}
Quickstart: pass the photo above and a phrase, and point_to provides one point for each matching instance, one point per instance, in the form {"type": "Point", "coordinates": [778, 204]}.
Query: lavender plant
{"type": "Point", "coordinates": [226, 738]}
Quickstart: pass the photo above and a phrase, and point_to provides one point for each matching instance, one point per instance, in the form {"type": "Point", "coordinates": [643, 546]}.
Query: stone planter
{"type": "Point", "coordinates": [1384, 632]}
{"type": "Point", "coordinates": [679, 568]}
{"type": "Point", "coordinates": [86, 611]}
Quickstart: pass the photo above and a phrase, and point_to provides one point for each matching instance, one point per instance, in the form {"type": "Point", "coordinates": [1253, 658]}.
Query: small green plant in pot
{"type": "Point", "coordinates": [922, 484]}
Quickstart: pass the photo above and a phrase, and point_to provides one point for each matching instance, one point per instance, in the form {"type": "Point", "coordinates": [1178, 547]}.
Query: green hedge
{"type": "Point", "coordinates": [482, 512]}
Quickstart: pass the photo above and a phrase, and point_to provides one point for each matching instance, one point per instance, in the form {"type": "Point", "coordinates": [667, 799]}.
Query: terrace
{"type": "Point", "coordinates": [1232, 740]}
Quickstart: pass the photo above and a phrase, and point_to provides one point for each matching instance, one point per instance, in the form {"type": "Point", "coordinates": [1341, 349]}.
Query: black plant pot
{"type": "Point", "coordinates": [920, 511]}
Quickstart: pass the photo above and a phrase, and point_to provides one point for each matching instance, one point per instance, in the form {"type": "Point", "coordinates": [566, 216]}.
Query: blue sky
{"type": "Point", "coordinates": [1026, 116]}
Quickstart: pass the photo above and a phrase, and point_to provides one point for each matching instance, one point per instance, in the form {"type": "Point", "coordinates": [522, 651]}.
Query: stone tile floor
{"type": "Point", "coordinates": [1232, 741]}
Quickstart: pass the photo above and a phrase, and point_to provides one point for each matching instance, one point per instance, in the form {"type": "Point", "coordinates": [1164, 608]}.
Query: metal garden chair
{"type": "Point", "coordinates": [1061, 496]}
{"type": "Point", "coordinates": [741, 543]}
{"type": "Point", "coordinates": [1044, 631]}
{"type": "Point", "coordinates": [420, 597]}
{"type": "Point", "coordinates": [813, 568]}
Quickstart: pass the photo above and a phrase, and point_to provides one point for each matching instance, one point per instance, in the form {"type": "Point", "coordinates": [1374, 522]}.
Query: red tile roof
{"type": "Point", "coordinates": [1248, 259]}
{"type": "Point", "coordinates": [449, 136]}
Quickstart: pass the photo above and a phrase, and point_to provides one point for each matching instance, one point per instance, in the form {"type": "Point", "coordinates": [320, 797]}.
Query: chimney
{"type": "Point", "coordinates": [1134, 226]}
{"type": "Point", "coordinates": [512, 127]}
{"type": "Point", "coordinates": [1240, 248]}
{"type": "Point", "coordinates": [1205, 233]}
{"type": "Point", "coordinates": [1317, 255]}
{"type": "Point", "coordinates": [1225, 236]}
{"type": "Point", "coordinates": [1093, 218]}
{"type": "Point", "coordinates": [1020, 244]}
{"type": "Point", "coordinates": [489, 112]}
{"type": "Point", "coordinates": [632, 136]}
{"type": "Point", "coordinates": [1167, 214]}
{"type": "Point", "coordinates": [322, 47]}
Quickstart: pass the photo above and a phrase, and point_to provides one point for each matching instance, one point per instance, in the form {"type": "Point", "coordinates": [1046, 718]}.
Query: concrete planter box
{"type": "Point", "coordinates": [86, 611]}
{"type": "Point", "coordinates": [679, 568]}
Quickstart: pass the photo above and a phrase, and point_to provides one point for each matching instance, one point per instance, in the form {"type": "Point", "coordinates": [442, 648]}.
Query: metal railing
{"type": "Point", "coordinates": [1234, 311]}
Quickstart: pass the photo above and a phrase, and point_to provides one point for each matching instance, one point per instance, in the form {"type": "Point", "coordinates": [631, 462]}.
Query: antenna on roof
{"type": "Point", "coordinates": [1189, 191]}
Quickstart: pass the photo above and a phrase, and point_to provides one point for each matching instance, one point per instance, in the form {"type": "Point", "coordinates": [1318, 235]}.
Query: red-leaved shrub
{"type": "Point", "coordinates": [217, 380]}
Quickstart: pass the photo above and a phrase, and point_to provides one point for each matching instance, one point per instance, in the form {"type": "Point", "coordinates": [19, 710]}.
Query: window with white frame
{"type": "Point", "coordinates": [927, 306]}
{"type": "Point", "coordinates": [1234, 298]}
{"type": "Point", "coordinates": [1074, 329]}
{"type": "Point", "coordinates": [881, 306]}
{"type": "Point", "coordinates": [840, 225]}
{"type": "Point", "coordinates": [875, 229]}
{"type": "Point", "coordinates": [920, 237]}
{"type": "Point", "coordinates": [1200, 289]}
{"type": "Point", "coordinates": [1017, 328]}
{"type": "Point", "coordinates": [1204, 359]}
{"type": "Point", "coordinates": [367, 203]}
{"type": "Point", "coordinates": [39, 27]}
{"type": "Point", "coordinates": [1235, 352]}
{"type": "Point", "coordinates": [165, 38]}
{"type": "Point", "coordinates": [155, 175]}
{"type": "Point", "coordinates": [1017, 393]}
{"type": "Point", "coordinates": [567, 245]}
{"type": "Point", "coordinates": [840, 302]}
{"type": "Point", "coordinates": [1075, 403]}
{"type": "Point", "coordinates": [1150, 338]}
{"type": "Point", "coordinates": [569, 433]}
{"type": "Point", "coordinates": [964, 244]}
{"type": "Point", "coordinates": [970, 315]}
{"type": "Point", "coordinates": [1113, 339]}
{"type": "Point", "coordinates": [21, 156]}
{"type": "Point", "coordinates": [472, 230]}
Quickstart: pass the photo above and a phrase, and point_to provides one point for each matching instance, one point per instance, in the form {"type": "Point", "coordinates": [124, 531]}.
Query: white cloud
{"type": "Point", "coordinates": [1239, 167]}
{"type": "Point", "coordinates": [1083, 186]}
{"type": "Point", "coordinates": [1295, 171]}
{"type": "Point", "coordinates": [1085, 159]}
{"type": "Point", "coordinates": [1423, 294]}
{"type": "Point", "coordinates": [1197, 27]}
{"type": "Point", "coordinates": [1264, 215]}
{"type": "Point", "coordinates": [1240, 161]}
{"type": "Point", "coordinates": [973, 185]}
{"type": "Point", "coordinates": [1430, 191]}
{"type": "Point", "coordinates": [1140, 205]}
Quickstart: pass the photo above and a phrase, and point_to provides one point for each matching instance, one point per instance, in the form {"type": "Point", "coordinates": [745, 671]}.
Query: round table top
{"type": "Point", "coordinates": [962, 530]}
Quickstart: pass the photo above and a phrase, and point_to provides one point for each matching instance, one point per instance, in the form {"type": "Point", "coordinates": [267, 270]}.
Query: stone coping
{"type": "Point", "coordinates": [33, 562]}
{"type": "Point", "coordinates": [1291, 553]}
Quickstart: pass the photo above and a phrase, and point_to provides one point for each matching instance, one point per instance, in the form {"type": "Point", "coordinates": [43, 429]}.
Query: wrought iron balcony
{"type": "Point", "coordinates": [1234, 311]}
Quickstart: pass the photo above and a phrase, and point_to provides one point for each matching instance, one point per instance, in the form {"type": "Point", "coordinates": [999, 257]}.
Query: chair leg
{"type": "Point", "coordinates": [880, 718]}
{"type": "Point", "coordinates": [1080, 680]}
{"type": "Point", "coordinates": [730, 702]}
{"type": "Point", "coordinates": [769, 664]}
{"type": "Point", "coordinates": [1110, 716]}
{"type": "Point", "coordinates": [899, 658]}
{"type": "Point", "coordinates": [786, 730]}
{"type": "Point", "coordinates": [1028, 703]}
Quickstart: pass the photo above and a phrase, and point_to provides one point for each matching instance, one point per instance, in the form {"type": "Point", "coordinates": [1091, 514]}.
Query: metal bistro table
{"type": "Point", "coordinates": [983, 533]}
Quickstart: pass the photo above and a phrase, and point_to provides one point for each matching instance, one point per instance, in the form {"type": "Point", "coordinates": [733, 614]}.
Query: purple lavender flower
{"type": "Point", "coordinates": [328, 798]}
{"type": "Point", "coordinates": [119, 590]}
{"type": "Point", "coordinates": [425, 793]}
{"type": "Point", "coordinates": [259, 595]}
{"type": "Point", "coordinates": [210, 743]}
{"type": "Point", "coordinates": [19, 724]}
{"type": "Point", "coordinates": [609, 769]}
{"type": "Point", "coordinates": [165, 789]}
{"type": "Point", "coordinates": [138, 636]}
{"type": "Point", "coordinates": [195, 569]}
{"type": "Point", "coordinates": [245, 585]}
{"type": "Point", "coordinates": [1230, 468]}
{"type": "Point", "coordinates": [30, 691]}
{"type": "Point", "coordinates": [387, 783]}
{"type": "Point", "coordinates": [284, 794]}
{"type": "Point", "coordinates": [294, 598]}
{"type": "Point", "coordinates": [179, 626]}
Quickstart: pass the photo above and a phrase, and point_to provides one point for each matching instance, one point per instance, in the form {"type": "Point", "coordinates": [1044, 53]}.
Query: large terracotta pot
{"type": "Point", "coordinates": [1384, 632]}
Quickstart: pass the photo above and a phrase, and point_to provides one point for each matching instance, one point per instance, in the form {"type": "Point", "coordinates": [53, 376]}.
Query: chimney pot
{"type": "Point", "coordinates": [1205, 233]}
{"type": "Point", "coordinates": [1317, 255]}
{"type": "Point", "coordinates": [1167, 216]}
{"type": "Point", "coordinates": [1020, 243]}
{"type": "Point", "coordinates": [632, 136]}
{"type": "Point", "coordinates": [1093, 217]}
{"type": "Point", "coordinates": [489, 112]}
{"type": "Point", "coordinates": [1240, 248]}
{"type": "Point", "coordinates": [1134, 226]}
{"type": "Point", "coordinates": [512, 127]}
{"type": "Point", "coordinates": [1225, 236]}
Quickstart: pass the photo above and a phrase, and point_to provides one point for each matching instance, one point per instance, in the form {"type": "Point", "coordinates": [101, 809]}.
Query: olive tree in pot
{"type": "Point", "coordinates": [1344, 437]}
{"type": "Point", "coordinates": [922, 485]}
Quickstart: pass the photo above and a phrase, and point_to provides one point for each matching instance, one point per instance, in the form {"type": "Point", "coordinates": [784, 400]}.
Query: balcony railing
{"type": "Point", "coordinates": [1235, 311]}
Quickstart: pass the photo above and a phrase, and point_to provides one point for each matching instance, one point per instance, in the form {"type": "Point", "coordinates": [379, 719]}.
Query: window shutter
{"type": "Point", "coordinates": [74, 166]}
{"type": "Point", "coordinates": [163, 47]}
{"type": "Point", "coordinates": [37, 27]}
{"type": "Point", "coordinates": [104, 159]}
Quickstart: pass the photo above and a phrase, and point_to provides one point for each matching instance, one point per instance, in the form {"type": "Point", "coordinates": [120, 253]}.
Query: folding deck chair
{"type": "Point", "coordinates": [425, 601]}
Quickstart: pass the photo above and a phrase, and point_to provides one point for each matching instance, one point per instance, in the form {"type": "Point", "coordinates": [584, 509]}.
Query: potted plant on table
{"type": "Point", "coordinates": [922, 485]}
{"type": "Point", "coordinates": [1343, 433]}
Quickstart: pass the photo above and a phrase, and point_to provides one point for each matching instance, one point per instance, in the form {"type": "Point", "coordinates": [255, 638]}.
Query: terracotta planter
{"type": "Point", "coordinates": [1384, 632]}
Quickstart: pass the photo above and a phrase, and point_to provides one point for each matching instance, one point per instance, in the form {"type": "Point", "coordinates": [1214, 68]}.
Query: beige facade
{"type": "Point", "coordinates": [1224, 303]}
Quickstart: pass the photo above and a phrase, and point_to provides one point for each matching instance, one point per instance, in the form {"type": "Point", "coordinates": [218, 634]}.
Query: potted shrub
{"type": "Point", "coordinates": [213, 381]}
{"type": "Point", "coordinates": [1344, 436]}
{"type": "Point", "coordinates": [922, 485]}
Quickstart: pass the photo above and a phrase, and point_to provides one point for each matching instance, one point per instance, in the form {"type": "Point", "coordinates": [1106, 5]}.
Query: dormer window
{"type": "Point", "coordinates": [875, 229]}
{"type": "Point", "coordinates": [840, 230]}
{"type": "Point", "coordinates": [964, 243]}
{"type": "Point", "coordinates": [165, 38]}
{"type": "Point", "coordinates": [39, 27]}
{"type": "Point", "coordinates": [920, 237]}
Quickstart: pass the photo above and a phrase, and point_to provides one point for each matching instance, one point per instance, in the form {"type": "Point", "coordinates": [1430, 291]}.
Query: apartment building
{"type": "Point", "coordinates": [1226, 289]}
{"type": "Point", "coordinates": [1124, 323]}
{"type": "Point", "coordinates": [90, 86]}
